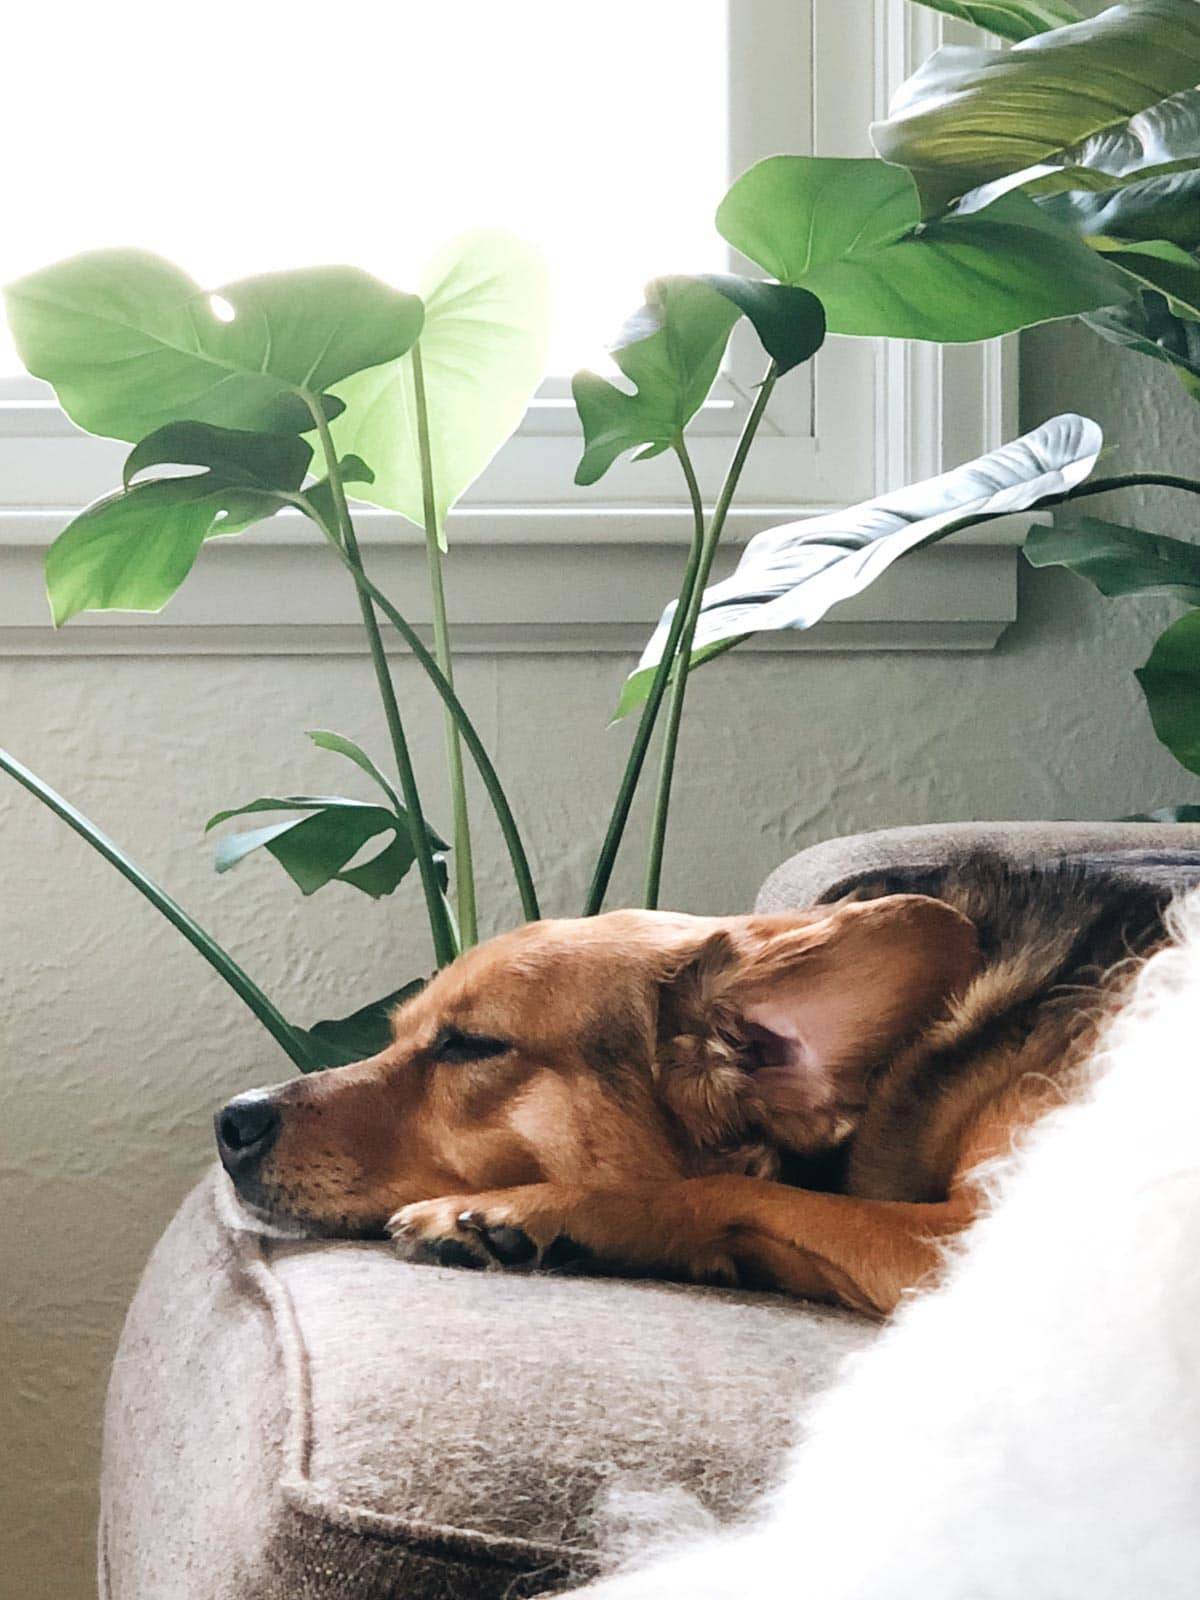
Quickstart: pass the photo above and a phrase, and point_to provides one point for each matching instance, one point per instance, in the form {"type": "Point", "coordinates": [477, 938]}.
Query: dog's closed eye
{"type": "Point", "coordinates": [452, 1044]}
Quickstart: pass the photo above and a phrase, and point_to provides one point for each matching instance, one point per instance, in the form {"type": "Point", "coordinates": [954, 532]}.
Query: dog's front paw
{"type": "Point", "coordinates": [513, 1229]}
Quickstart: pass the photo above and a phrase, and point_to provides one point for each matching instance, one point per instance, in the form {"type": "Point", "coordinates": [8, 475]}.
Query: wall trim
{"type": "Point", "coordinates": [548, 584]}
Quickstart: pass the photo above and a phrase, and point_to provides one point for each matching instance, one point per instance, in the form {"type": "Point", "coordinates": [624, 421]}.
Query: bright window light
{"type": "Point", "coordinates": [246, 135]}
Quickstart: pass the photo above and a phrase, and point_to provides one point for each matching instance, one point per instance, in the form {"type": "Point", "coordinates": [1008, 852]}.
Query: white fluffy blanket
{"type": "Point", "coordinates": [1031, 1430]}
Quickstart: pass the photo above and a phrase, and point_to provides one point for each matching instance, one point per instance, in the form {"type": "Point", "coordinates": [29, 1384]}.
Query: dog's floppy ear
{"type": "Point", "coordinates": [803, 1007]}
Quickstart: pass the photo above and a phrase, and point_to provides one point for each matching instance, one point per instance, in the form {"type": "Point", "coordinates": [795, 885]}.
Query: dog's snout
{"type": "Point", "coordinates": [246, 1129]}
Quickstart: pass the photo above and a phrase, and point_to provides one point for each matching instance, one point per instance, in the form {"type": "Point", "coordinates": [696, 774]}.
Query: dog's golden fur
{"type": "Point", "coordinates": [795, 1101]}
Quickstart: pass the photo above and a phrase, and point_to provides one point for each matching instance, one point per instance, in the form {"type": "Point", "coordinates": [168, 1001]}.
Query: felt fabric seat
{"type": "Point", "coordinates": [305, 1420]}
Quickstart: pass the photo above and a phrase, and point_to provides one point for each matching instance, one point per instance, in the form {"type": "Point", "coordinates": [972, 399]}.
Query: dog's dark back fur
{"type": "Point", "coordinates": [1055, 941]}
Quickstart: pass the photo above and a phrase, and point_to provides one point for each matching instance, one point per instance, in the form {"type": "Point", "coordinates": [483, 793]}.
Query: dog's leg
{"type": "Point", "coordinates": [859, 1253]}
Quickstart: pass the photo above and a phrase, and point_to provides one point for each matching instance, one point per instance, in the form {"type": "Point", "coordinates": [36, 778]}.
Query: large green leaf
{"type": "Point", "coordinates": [132, 550]}
{"type": "Point", "coordinates": [1163, 207]}
{"type": "Point", "coordinates": [1119, 560]}
{"type": "Point", "coordinates": [314, 849]}
{"type": "Point", "coordinates": [1148, 325]}
{"type": "Point", "coordinates": [1170, 681]}
{"type": "Point", "coordinates": [1156, 143]}
{"type": "Point", "coordinates": [968, 116]}
{"type": "Point", "coordinates": [364, 1033]}
{"type": "Point", "coordinates": [849, 230]}
{"type": "Point", "coordinates": [1011, 19]}
{"type": "Point", "coordinates": [130, 342]}
{"type": "Point", "coordinates": [789, 577]}
{"type": "Point", "coordinates": [483, 353]}
{"type": "Point", "coordinates": [1159, 265]}
{"type": "Point", "coordinates": [671, 352]}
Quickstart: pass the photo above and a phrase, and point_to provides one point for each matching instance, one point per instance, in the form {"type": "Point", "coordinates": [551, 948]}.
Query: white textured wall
{"type": "Point", "coordinates": [117, 1043]}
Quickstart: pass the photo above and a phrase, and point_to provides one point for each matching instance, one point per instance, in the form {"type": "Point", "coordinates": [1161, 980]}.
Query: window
{"type": "Point", "coordinates": [250, 134]}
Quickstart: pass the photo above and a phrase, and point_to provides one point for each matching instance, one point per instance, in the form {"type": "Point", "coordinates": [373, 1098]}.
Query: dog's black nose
{"type": "Point", "coordinates": [246, 1129]}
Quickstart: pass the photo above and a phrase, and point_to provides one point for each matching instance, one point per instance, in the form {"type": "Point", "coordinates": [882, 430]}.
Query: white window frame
{"type": "Point", "coordinates": [806, 76]}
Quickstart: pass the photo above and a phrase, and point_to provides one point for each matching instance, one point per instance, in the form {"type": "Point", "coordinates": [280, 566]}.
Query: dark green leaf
{"type": "Point", "coordinates": [1011, 19]}
{"type": "Point", "coordinates": [276, 461]}
{"type": "Point", "coordinates": [1159, 266]}
{"type": "Point", "coordinates": [132, 550]}
{"type": "Point", "coordinates": [312, 850]}
{"type": "Point", "coordinates": [315, 849]}
{"type": "Point", "coordinates": [968, 117]}
{"type": "Point", "coordinates": [671, 352]}
{"type": "Point", "coordinates": [790, 322]}
{"type": "Point", "coordinates": [1119, 560]}
{"type": "Point", "coordinates": [1149, 326]}
{"type": "Point", "coordinates": [364, 1033]}
{"type": "Point", "coordinates": [789, 577]}
{"type": "Point", "coordinates": [1170, 681]}
{"type": "Point", "coordinates": [1167, 814]}
{"type": "Point", "coordinates": [130, 342]}
{"type": "Point", "coordinates": [1150, 209]}
{"type": "Point", "coordinates": [849, 230]}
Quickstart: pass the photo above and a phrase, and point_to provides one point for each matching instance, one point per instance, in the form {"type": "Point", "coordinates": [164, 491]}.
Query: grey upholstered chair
{"type": "Point", "coordinates": [288, 1421]}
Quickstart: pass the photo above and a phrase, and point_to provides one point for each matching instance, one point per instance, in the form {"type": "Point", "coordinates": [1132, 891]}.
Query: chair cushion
{"type": "Point", "coordinates": [1162, 852]}
{"type": "Point", "coordinates": [301, 1419]}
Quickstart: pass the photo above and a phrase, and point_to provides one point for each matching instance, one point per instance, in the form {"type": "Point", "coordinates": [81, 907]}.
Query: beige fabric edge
{"type": "Point", "coordinates": [298, 1490]}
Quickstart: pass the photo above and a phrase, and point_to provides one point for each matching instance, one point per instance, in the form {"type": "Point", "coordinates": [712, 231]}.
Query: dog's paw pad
{"type": "Point", "coordinates": [511, 1247]}
{"type": "Point", "coordinates": [453, 1253]}
{"type": "Point", "coordinates": [566, 1255]}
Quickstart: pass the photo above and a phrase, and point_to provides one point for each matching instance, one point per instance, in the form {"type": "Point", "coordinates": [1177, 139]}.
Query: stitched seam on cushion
{"type": "Point", "coordinates": [295, 1482]}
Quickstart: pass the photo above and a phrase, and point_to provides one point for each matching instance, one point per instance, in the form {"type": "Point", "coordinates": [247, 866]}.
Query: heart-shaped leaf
{"type": "Point", "coordinates": [789, 322]}
{"type": "Point", "coordinates": [790, 576]}
{"type": "Point", "coordinates": [1170, 681]}
{"type": "Point", "coordinates": [483, 354]}
{"type": "Point", "coordinates": [275, 461]}
{"type": "Point", "coordinates": [363, 1033]}
{"type": "Point", "coordinates": [1119, 560]}
{"type": "Point", "coordinates": [1011, 19]}
{"type": "Point", "coordinates": [850, 231]}
{"type": "Point", "coordinates": [968, 117]}
{"type": "Point", "coordinates": [671, 352]}
{"type": "Point", "coordinates": [315, 849]}
{"type": "Point", "coordinates": [130, 342]}
{"type": "Point", "coordinates": [132, 550]}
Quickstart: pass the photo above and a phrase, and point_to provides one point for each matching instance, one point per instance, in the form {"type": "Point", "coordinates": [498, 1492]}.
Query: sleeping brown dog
{"type": "Point", "coordinates": [796, 1102]}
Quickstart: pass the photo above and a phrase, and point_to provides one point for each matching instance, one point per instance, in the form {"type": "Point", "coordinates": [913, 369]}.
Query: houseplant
{"type": "Point", "coordinates": [939, 242]}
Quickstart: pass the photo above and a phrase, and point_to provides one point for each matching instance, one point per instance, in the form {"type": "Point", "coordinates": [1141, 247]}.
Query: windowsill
{"type": "Point", "coordinates": [549, 580]}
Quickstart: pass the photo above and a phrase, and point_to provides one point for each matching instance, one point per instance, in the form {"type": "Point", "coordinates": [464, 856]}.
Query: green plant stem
{"type": "Point", "coordinates": [439, 923]}
{"type": "Point", "coordinates": [683, 657]}
{"type": "Point", "coordinates": [598, 887]}
{"type": "Point", "coordinates": [1129, 480]}
{"type": "Point", "coordinates": [671, 736]}
{"type": "Point", "coordinates": [222, 963]}
{"type": "Point", "coordinates": [464, 864]}
{"type": "Point", "coordinates": [475, 747]}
